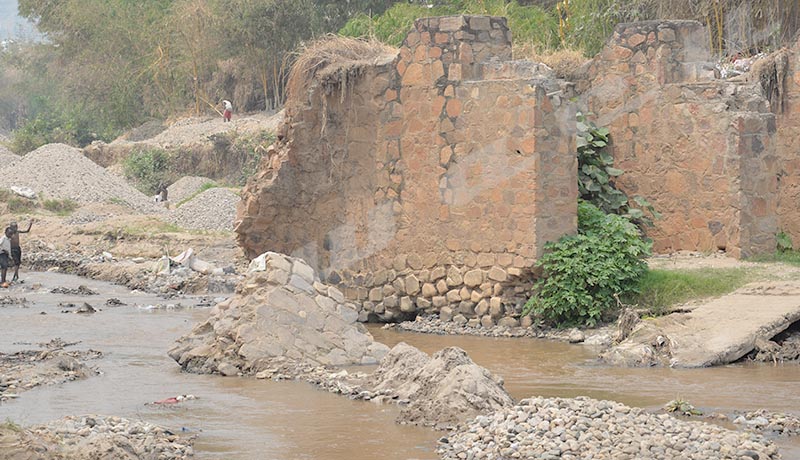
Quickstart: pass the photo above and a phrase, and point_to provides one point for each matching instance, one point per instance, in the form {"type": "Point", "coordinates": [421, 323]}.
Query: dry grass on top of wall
{"type": "Point", "coordinates": [334, 61]}
{"type": "Point", "coordinates": [565, 62]}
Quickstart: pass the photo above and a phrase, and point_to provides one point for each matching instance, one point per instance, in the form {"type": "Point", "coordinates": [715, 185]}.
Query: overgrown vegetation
{"type": "Point", "coordinates": [658, 290]}
{"type": "Point", "coordinates": [109, 65]}
{"type": "Point", "coordinates": [243, 150]}
{"type": "Point", "coordinates": [585, 275]}
{"type": "Point", "coordinates": [597, 174]}
{"type": "Point", "coordinates": [149, 169]}
{"type": "Point", "coordinates": [62, 207]}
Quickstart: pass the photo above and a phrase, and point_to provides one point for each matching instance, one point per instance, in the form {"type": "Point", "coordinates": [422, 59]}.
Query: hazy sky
{"type": "Point", "coordinates": [12, 25]}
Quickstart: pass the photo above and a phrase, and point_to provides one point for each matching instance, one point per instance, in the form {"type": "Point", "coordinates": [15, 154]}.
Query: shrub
{"type": "Point", "coordinates": [586, 274]}
{"type": "Point", "coordinates": [149, 169]}
{"type": "Point", "coordinates": [61, 207]}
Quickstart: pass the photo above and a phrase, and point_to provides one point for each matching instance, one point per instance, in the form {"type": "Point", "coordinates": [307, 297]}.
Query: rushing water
{"type": "Point", "coordinates": [244, 419]}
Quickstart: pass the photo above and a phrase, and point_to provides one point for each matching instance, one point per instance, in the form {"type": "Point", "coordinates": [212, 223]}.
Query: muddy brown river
{"type": "Point", "coordinates": [248, 419]}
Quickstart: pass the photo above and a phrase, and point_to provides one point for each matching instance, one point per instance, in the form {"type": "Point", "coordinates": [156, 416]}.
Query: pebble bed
{"type": "Point", "coordinates": [584, 428]}
{"type": "Point", "coordinates": [431, 324]}
{"type": "Point", "coordinates": [214, 209]}
{"type": "Point", "coordinates": [776, 423]}
{"type": "Point", "coordinates": [115, 437]}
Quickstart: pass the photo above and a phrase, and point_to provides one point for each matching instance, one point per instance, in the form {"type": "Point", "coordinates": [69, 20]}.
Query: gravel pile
{"type": "Point", "coordinates": [185, 187]}
{"type": "Point", "coordinates": [7, 157]}
{"type": "Point", "coordinates": [61, 171]}
{"type": "Point", "coordinates": [584, 428]}
{"type": "Point", "coordinates": [98, 437]}
{"type": "Point", "coordinates": [771, 422]}
{"type": "Point", "coordinates": [214, 209]}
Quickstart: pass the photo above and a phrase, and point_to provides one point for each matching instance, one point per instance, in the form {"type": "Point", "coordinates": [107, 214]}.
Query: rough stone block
{"type": "Point", "coordinates": [407, 305]}
{"type": "Point", "coordinates": [442, 287]}
{"type": "Point", "coordinates": [475, 296]}
{"type": "Point", "coordinates": [474, 322]}
{"type": "Point", "coordinates": [298, 283]}
{"type": "Point", "coordinates": [438, 273]}
{"type": "Point", "coordinates": [486, 260]}
{"type": "Point", "coordinates": [411, 285]}
{"type": "Point", "coordinates": [508, 321]}
{"type": "Point", "coordinates": [482, 308]}
{"type": "Point", "coordinates": [391, 302]}
{"type": "Point", "coordinates": [453, 296]}
{"type": "Point", "coordinates": [429, 290]}
{"type": "Point", "coordinates": [466, 308]}
{"type": "Point", "coordinates": [399, 286]}
{"type": "Point", "coordinates": [526, 321]}
{"type": "Point", "coordinates": [303, 270]}
{"type": "Point", "coordinates": [464, 293]}
{"type": "Point", "coordinates": [480, 23]}
{"type": "Point", "coordinates": [496, 307]}
{"type": "Point", "coordinates": [399, 262]}
{"type": "Point", "coordinates": [498, 274]}
{"type": "Point", "coordinates": [454, 277]}
{"type": "Point", "coordinates": [452, 23]}
{"type": "Point", "coordinates": [460, 319]}
{"type": "Point", "coordinates": [414, 261]}
{"type": "Point", "coordinates": [473, 278]}
{"type": "Point", "coordinates": [487, 321]}
{"type": "Point", "coordinates": [445, 314]}
{"type": "Point", "coordinates": [376, 294]}
{"type": "Point", "coordinates": [440, 301]}
{"type": "Point", "coordinates": [423, 303]}
{"type": "Point", "coordinates": [279, 277]}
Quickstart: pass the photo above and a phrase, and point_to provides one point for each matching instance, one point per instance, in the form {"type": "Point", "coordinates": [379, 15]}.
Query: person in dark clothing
{"type": "Point", "coordinates": [16, 249]}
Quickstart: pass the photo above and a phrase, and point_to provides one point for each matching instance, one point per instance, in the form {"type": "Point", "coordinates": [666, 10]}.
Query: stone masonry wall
{"type": "Point", "coordinates": [433, 182]}
{"type": "Point", "coordinates": [701, 150]}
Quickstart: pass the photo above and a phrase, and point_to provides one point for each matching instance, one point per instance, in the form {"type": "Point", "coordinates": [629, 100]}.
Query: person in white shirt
{"type": "Point", "coordinates": [226, 115]}
{"type": "Point", "coordinates": [5, 255]}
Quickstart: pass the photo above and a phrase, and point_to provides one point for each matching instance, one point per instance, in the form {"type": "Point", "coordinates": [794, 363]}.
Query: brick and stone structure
{"type": "Point", "coordinates": [700, 149]}
{"type": "Point", "coordinates": [434, 179]}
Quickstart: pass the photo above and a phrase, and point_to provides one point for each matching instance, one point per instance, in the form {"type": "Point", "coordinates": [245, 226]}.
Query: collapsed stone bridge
{"type": "Point", "coordinates": [429, 178]}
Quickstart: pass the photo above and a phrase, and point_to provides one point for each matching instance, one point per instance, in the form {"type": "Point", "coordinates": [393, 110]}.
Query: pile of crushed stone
{"type": "Point", "coordinates": [185, 187]}
{"type": "Point", "coordinates": [61, 171]}
{"type": "Point", "coordinates": [214, 209]}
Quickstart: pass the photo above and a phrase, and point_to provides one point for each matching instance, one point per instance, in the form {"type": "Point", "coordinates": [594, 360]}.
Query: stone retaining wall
{"type": "Point", "coordinates": [423, 184]}
{"type": "Point", "coordinates": [700, 149]}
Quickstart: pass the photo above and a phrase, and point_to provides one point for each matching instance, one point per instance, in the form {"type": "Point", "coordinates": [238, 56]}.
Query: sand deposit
{"type": "Point", "coordinates": [61, 171]}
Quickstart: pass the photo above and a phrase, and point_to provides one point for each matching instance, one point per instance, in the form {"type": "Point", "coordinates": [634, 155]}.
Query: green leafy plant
{"type": "Point", "coordinates": [681, 407]}
{"type": "Point", "coordinates": [597, 174]}
{"type": "Point", "coordinates": [783, 242]}
{"type": "Point", "coordinates": [586, 274]}
{"type": "Point", "coordinates": [148, 168]}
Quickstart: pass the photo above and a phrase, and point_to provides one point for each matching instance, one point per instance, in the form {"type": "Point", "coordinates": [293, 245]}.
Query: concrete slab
{"type": "Point", "coordinates": [718, 332]}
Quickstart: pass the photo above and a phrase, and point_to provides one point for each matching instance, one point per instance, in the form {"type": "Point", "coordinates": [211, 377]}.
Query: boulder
{"type": "Point", "coordinates": [442, 390]}
{"type": "Point", "coordinates": [274, 317]}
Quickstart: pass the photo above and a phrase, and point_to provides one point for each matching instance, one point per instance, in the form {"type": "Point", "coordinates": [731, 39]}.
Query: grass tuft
{"type": "Point", "coordinates": [662, 289]}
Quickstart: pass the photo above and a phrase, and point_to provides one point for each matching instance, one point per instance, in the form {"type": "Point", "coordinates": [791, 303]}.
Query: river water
{"type": "Point", "coordinates": [244, 419]}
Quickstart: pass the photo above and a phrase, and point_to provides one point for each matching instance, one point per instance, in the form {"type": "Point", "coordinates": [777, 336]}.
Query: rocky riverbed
{"type": "Point", "coordinates": [93, 437]}
{"type": "Point", "coordinates": [582, 428]}
{"type": "Point", "coordinates": [50, 365]}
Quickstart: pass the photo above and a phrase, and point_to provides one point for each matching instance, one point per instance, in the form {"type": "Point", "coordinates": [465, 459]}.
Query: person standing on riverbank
{"type": "Point", "coordinates": [228, 107]}
{"type": "Point", "coordinates": [16, 249]}
{"type": "Point", "coordinates": [5, 256]}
